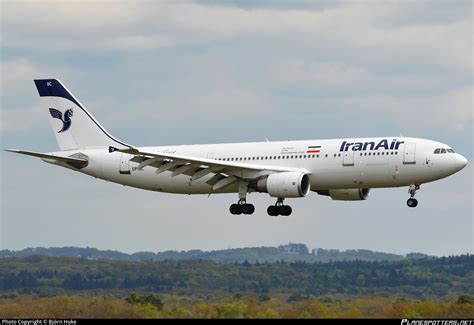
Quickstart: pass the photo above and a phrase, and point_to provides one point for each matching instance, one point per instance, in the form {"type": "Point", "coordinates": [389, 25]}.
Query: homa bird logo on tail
{"type": "Point", "coordinates": [67, 118]}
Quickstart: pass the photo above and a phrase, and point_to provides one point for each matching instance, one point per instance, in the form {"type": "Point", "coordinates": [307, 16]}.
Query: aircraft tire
{"type": "Point", "coordinates": [412, 203]}
{"type": "Point", "coordinates": [272, 210]}
{"type": "Point", "coordinates": [247, 208]}
{"type": "Point", "coordinates": [235, 209]}
{"type": "Point", "coordinates": [285, 210]}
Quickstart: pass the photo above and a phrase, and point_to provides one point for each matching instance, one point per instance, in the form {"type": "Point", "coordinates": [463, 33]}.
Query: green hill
{"type": "Point", "coordinates": [287, 253]}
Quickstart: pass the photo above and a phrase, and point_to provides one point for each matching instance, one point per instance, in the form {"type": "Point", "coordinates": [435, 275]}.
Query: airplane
{"type": "Point", "coordinates": [343, 169]}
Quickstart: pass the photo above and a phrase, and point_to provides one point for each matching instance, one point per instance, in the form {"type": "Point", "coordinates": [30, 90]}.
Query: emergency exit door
{"type": "Point", "coordinates": [124, 164]}
{"type": "Point", "coordinates": [348, 158]}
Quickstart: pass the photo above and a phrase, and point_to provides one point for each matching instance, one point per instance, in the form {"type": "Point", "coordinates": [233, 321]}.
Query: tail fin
{"type": "Point", "coordinates": [74, 126]}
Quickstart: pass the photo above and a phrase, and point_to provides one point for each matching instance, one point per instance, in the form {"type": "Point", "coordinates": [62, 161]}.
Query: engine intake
{"type": "Point", "coordinates": [283, 185]}
{"type": "Point", "coordinates": [353, 194]}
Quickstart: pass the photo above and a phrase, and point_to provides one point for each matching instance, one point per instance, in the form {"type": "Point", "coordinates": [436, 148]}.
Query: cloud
{"type": "Point", "coordinates": [15, 73]}
{"type": "Point", "coordinates": [350, 30]}
{"type": "Point", "coordinates": [450, 111]}
{"type": "Point", "coordinates": [22, 120]}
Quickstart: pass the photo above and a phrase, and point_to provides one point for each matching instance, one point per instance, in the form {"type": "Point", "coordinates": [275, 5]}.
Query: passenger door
{"type": "Point", "coordinates": [409, 153]}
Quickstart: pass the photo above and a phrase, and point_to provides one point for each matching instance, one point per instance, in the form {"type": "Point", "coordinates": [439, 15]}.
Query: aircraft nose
{"type": "Point", "coordinates": [460, 162]}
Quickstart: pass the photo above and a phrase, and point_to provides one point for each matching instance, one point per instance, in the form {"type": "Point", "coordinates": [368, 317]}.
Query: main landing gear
{"type": "Point", "coordinates": [242, 208]}
{"type": "Point", "coordinates": [279, 209]}
{"type": "Point", "coordinates": [412, 202]}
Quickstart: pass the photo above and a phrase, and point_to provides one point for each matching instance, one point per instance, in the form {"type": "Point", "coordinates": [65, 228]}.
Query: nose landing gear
{"type": "Point", "coordinates": [279, 209]}
{"type": "Point", "coordinates": [412, 202]}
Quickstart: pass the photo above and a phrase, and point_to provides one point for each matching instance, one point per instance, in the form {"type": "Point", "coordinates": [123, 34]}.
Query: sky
{"type": "Point", "coordinates": [188, 72]}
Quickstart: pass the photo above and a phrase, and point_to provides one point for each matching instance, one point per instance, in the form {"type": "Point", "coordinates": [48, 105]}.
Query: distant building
{"type": "Point", "coordinates": [294, 249]}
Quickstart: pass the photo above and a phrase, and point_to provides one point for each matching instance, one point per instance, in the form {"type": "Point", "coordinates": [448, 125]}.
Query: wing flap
{"type": "Point", "coordinates": [224, 182]}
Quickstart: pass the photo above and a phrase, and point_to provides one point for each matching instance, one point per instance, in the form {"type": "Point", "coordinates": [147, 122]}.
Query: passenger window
{"type": "Point", "coordinates": [326, 155]}
{"type": "Point", "coordinates": [316, 156]}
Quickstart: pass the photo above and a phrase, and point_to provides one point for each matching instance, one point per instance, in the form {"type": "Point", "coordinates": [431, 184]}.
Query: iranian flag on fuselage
{"type": "Point", "coordinates": [313, 149]}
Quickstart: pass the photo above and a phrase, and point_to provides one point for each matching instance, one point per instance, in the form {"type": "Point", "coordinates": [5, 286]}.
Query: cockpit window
{"type": "Point", "coordinates": [437, 150]}
{"type": "Point", "coordinates": [443, 150]}
{"type": "Point", "coordinates": [450, 150]}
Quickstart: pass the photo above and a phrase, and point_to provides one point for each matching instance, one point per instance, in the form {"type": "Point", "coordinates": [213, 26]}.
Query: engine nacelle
{"type": "Point", "coordinates": [353, 194]}
{"type": "Point", "coordinates": [283, 185]}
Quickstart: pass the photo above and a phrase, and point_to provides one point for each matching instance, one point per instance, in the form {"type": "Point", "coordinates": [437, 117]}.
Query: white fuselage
{"type": "Point", "coordinates": [339, 164]}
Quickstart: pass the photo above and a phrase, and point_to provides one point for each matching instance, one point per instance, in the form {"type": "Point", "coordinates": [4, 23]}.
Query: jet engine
{"type": "Point", "coordinates": [353, 194]}
{"type": "Point", "coordinates": [284, 185]}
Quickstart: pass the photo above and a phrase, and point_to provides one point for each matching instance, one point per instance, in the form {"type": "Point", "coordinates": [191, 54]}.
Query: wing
{"type": "Point", "coordinates": [225, 173]}
{"type": "Point", "coordinates": [56, 114]}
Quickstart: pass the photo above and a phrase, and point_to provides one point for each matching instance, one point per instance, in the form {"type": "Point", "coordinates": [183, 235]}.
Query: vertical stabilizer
{"type": "Point", "coordinates": [73, 125]}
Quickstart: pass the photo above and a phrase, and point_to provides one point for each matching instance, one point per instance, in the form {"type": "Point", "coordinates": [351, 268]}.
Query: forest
{"type": "Point", "coordinates": [428, 278]}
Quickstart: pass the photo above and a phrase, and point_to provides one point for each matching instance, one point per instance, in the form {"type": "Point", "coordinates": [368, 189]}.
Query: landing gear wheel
{"type": "Point", "coordinates": [235, 209]}
{"type": "Point", "coordinates": [412, 203]}
{"type": "Point", "coordinates": [272, 210]}
{"type": "Point", "coordinates": [285, 210]}
{"type": "Point", "coordinates": [247, 208]}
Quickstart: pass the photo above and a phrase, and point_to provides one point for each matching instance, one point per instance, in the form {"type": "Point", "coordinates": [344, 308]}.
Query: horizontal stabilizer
{"type": "Point", "coordinates": [73, 161]}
